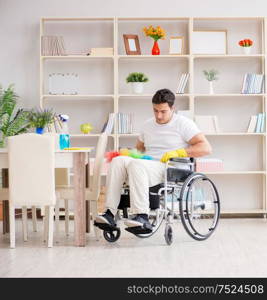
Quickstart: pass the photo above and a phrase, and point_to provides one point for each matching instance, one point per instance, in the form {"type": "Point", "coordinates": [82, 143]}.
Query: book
{"type": "Point", "coordinates": [110, 123]}
{"type": "Point", "coordinates": [182, 83]}
{"type": "Point", "coordinates": [263, 122]}
{"type": "Point", "coordinates": [216, 124]}
{"type": "Point", "coordinates": [252, 83]}
{"type": "Point", "coordinates": [258, 125]}
{"type": "Point", "coordinates": [52, 45]}
{"type": "Point", "coordinates": [252, 124]}
{"type": "Point", "coordinates": [207, 124]}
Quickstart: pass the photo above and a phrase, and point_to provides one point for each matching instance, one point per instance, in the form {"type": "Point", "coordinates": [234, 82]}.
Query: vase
{"type": "Point", "coordinates": [39, 130]}
{"type": "Point", "coordinates": [155, 49]}
{"type": "Point", "coordinates": [64, 141]}
{"type": "Point", "coordinates": [137, 87]}
{"type": "Point", "coordinates": [211, 87]}
{"type": "Point", "coordinates": [246, 50]}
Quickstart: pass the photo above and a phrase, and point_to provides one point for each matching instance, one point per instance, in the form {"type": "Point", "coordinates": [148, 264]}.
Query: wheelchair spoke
{"type": "Point", "coordinates": [199, 202]}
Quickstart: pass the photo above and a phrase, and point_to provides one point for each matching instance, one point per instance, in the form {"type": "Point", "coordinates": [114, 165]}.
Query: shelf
{"type": "Point", "coordinates": [77, 19]}
{"type": "Point", "coordinates": [147, 95]}
{"type": "Point", "coordinates": [107, 74]}
{"type": "Point", "coordinates": [248, 211]}
{"type": "Point", "coordinates": [168, 56]}
{"type": "Point", "coordinates": [228, 56]}
{"type": "Point", "coordinates": [70, 57]}
{"type": "Point", "coordinates": [89, 135]}
{"type": "Point", "coordinates": [235, 133]}
{"type": "Point", "coordinates": [128, 134]}
{"type": "Point", "coordinates": [235, 173]}
{"type": "Point", "coordinates": [228, 95]}
{"type": "Point", "coordinates": [76, 97]}
{"type": "Point", "coordinates": [209, 134]}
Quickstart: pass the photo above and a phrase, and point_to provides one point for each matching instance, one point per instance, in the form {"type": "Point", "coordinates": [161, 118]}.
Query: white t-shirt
{"type": "Point", "coordinates": [161, 138]}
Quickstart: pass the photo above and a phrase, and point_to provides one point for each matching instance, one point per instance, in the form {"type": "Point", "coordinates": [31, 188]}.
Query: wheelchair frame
{"type": "Point", "coordinates": [178, 182]}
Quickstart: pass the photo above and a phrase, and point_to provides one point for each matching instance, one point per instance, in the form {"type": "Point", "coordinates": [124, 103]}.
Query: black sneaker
{"type": "Point", "coordinates": [139, 220]}
{"type": "Point", "coordinates": [106, 218]}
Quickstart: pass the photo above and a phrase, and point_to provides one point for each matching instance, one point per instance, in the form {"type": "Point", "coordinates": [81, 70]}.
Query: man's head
{"type": "Point", "coordinates": [163, 106]}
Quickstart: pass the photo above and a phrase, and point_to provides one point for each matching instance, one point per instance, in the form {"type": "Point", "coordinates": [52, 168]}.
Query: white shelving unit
{"type": "Point", "coordinates": [242, 186]}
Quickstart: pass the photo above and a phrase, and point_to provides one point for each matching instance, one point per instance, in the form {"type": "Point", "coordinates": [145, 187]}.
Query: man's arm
{"type": "Point", "coordinates": [199, 146]}
{"type": "Point", "coordinates": [140, 146]}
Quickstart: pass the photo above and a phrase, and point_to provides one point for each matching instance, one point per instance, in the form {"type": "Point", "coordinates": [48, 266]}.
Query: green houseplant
{"type": "Point", "coordinates": [11, 122]}
{"type": "Point", "coordinates": [40, 118]}
{"type": "Point", "coordinates": [137, 81]}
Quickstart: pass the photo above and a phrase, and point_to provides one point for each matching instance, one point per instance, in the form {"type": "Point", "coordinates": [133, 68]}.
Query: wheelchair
{"type": "Point", "coordinates": [186, 196]}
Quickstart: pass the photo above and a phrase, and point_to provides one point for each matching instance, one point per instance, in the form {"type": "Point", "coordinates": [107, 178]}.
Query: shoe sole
{"type": "Point", "coordinates": [131, 223]}
{"type": "Point", "coordinates": [100, 219]}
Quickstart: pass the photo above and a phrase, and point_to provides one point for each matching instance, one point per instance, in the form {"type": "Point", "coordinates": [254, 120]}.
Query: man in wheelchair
{"type": "Point", "coordinates": [167, 135]}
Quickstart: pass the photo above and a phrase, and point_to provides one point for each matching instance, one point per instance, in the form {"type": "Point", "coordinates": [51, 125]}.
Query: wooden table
{"type": "Point", "coordinates": [77, 160]}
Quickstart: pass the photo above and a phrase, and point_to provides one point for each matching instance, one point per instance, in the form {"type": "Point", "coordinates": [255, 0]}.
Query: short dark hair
{"type": "Point", "coordinates": [164, 96]}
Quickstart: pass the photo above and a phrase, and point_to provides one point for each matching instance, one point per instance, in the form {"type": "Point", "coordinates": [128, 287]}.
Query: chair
{"type": "Point", "coordinates": [93, 192]}
{"type": "Point", "coordinates": [31, 160]}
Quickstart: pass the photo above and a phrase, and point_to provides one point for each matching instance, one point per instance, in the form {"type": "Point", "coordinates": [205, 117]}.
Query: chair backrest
{"type": "Point", "coordinates": [31, 160]}
{"type": "Point", "coordinates": [95, 183]}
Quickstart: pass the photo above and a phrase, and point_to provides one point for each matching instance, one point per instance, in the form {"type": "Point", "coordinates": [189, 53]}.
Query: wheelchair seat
{"type": "Point", "coordinates": [154, 198]}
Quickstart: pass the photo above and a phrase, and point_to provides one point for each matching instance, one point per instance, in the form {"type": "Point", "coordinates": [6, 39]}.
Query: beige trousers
{"type": "Point", "coordinates": [140, 174]}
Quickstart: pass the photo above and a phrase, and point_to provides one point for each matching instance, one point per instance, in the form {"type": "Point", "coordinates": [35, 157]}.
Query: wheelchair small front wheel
{"type": "Point", "coordinates": [112, 235]}
{"type": "Point", "coordinates": [168, 234]}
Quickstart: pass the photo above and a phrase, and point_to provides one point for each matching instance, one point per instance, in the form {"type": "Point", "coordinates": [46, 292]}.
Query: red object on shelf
{"type": "Point", "coordinates": [155, 49]}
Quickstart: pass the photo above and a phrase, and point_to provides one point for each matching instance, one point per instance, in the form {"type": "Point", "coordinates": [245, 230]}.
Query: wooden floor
{"type": "Point", "coordinates": [238, 248]}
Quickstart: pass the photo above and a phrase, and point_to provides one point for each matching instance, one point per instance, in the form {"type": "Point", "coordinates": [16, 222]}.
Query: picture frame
{"type": "Point", "coordinates": [176, 45]}
{"type": "Point", "coordinates": [209, 42]}
{"type": "Point", "coordinates": [131, 44]}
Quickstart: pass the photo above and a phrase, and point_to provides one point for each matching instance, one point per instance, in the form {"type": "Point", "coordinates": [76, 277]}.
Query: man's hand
{"type": "Point", "coordinates": [172, 154]}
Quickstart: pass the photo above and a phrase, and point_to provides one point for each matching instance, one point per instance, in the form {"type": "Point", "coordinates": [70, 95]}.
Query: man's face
{"type": "Point", "coordinates": [163, 112]}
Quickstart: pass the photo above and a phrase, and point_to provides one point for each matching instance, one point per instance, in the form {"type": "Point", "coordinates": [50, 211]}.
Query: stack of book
{"type": "Point", "coordinates": [125, 123]}
{"type": "Point", "coordinates": [257, 123]}
{"type": "Point", "coordinates": [182, 83]}
{"type": "Point", "coordinates": [63, 84]}
{"type": "Point", "coordinates": [101, 51]}
{"type": "Point", "coordinates": [253, 84]}
{"type": "Point", "coordinates": [209, 165]}
{"type": "Point", "coordinates": [52, 45]}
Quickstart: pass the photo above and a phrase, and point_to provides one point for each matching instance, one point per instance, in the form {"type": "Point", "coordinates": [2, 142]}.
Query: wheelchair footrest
{"type": "Point", "coordinates": [138, 230]}
{"type": "Point", "coordinates": [105, 226]}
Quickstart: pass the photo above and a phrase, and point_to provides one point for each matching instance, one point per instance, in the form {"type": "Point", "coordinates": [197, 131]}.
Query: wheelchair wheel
{"type": "Point", "coordinates": [199, 206]}
{"type": "Point", "coordinates": [168, 234]}
{"type": "Point", "coordinates": [112, 235]}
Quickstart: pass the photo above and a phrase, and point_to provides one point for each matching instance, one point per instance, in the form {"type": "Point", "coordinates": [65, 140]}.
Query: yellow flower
{"type": "Point", "coordinates": [154, 32]}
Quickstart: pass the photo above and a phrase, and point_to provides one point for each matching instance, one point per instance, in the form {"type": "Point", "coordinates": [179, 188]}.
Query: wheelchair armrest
{"type": "Point", "coordinates": [182, 160]}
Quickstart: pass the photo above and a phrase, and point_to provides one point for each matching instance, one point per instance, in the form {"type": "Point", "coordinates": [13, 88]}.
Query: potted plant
{"type": "Point", "coordinates": [211, 76]}
{"type": "Point", "coordinates": [137, 81]}
{"type": "Point", "coordinates": [11, 122]}
{"type": "Point", "coordinates": [246, 44]}
{"type": "Point", "coordinates": [156, 33]}
{"type": "Point", "coordinates": [40, 118]}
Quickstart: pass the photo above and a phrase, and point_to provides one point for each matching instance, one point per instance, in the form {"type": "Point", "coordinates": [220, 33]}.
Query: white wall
{"type": "Point", "coordinates": [19, 28]}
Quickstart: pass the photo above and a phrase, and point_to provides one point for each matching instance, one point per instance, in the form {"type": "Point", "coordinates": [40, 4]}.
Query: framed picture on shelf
{"type": "Point", "coordinates": [176, 45]}
{"type": "Point", "coordinates": [131, 44]}
{"type": "Point", "coordinates": [209, 42]}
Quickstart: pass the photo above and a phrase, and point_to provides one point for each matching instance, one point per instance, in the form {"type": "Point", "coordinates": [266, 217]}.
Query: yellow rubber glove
{"type": "Point", "coordinates": [172, 154]}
